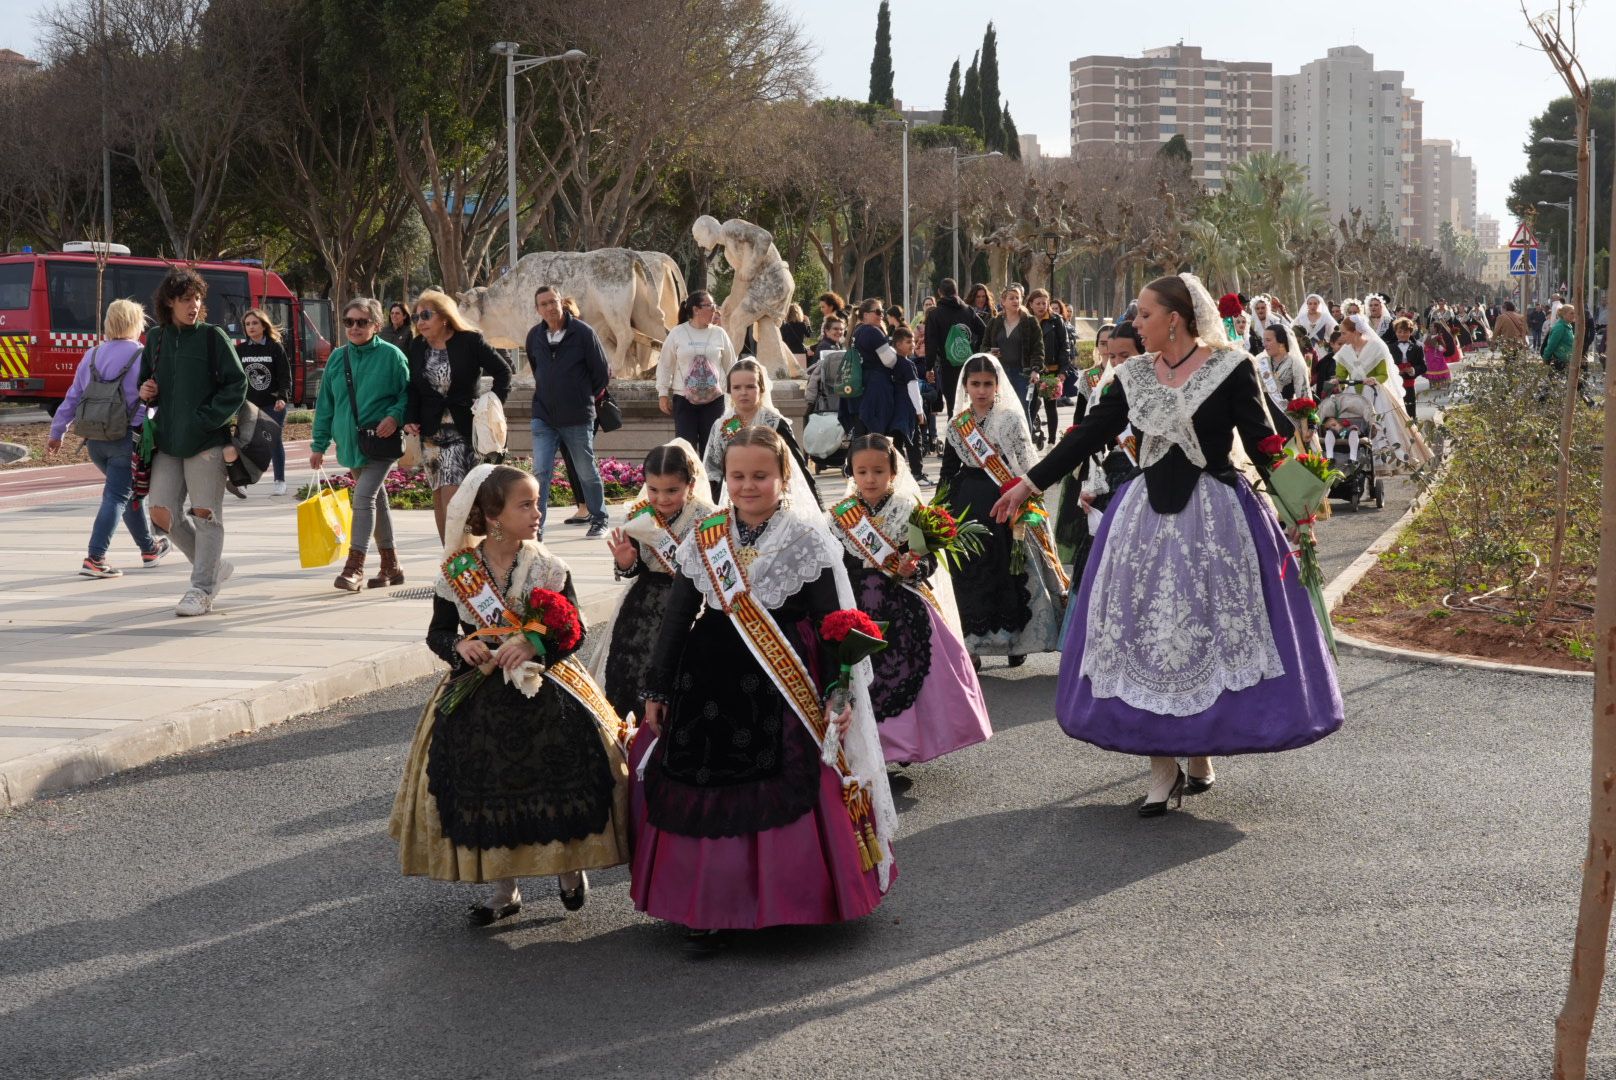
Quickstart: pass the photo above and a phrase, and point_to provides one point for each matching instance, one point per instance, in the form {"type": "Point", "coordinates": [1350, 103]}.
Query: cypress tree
{"type": "Point", "coordinates": [951, 99]}
{"type": "Point", "coordinates": [992, 119]}
{"type": "Point", "coordinates": [881, 66]}
{"type": "Point", "coordinates": [1012, 137]}
{"type": "Point", "coordinates": [970, 104]}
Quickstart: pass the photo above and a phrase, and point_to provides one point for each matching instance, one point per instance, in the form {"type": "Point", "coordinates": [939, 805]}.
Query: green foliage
{"type": "Point", "coordinates": [881, 65]}
{"type": "Point", "coordinates": [1559, 121]}
{"type": "Point", "coordinates": [1176, 149]}
{"type": "Point", "coordinates": [301, 416]}
{"type": "Point", "coordinates": [951, 97]}
{"type": "Point", "coordinates": [970, 103]}
{"type": "Point", "coordinates": [988, 73]}
{"type": "Point", "coordinates": [809, 274]}
{"type": "Point", "coordinates": [934, 136]}
{"type": "Point", "coordinates": [1011, 137]}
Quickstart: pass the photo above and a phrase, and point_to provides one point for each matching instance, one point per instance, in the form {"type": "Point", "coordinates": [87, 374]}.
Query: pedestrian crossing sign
{"type": "Point", "coordinates": [1523, 261]}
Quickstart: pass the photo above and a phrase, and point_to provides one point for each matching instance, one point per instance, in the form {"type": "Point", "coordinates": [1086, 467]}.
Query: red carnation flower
{"type": "Point", "coordinates": [1229, 305]}
{"type": "Point", "coordinates": [1302, 405]}
{"type": "Point", "coordinates": [1272, 445]}
{"type": "Point", "coordinates": [838, 624]}
{"type": "Point", "coordinates": [559, 616]}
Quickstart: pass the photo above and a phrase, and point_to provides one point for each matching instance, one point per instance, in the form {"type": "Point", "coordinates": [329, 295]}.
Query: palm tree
{"type": "Point", "coordinates": [1271, 194]}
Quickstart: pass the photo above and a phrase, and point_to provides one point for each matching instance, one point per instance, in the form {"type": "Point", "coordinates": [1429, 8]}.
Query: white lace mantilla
{"type": "Point", "coordinates": [1007, 431]}
{"type": "Point", "coordinates": [792, 552]}
{"type": "Point", "coordinates": [1164, 416]}
{"type": "Point", "coordinates": [535, 568]}
{"type": "Point", "coordinates": [1176, 615]}
{"type": "Point", "coordinates": [892, 520]}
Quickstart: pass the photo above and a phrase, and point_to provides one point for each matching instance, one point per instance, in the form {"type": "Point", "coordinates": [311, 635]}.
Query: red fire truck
{"type": "Point", "coordinates": [48, 315]}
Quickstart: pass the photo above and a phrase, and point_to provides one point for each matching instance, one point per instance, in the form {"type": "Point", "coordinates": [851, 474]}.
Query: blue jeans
{"type": "Point", "coordinates": [277, 456]}
{"type": "Point", "coordinates": [579, 440]}
{"type": "Point", "coordinates": [112, 458]}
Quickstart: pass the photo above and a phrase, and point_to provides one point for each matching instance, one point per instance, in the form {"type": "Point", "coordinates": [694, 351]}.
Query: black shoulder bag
{"type": "Point", "coordinates": [373, 446]}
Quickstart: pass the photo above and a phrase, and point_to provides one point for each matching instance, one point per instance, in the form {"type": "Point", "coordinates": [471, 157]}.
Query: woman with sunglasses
{"type": "Point", "coordinates": [365, 388]}
{"type": "Point", "coordinates": [447, 361]}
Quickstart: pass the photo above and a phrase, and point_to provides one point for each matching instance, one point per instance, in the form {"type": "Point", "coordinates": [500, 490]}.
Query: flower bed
{"type": "Point", "coordinates": [408, 490]}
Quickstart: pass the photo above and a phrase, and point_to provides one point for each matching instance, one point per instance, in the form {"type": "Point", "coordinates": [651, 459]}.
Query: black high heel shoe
{"type": "Point", "coordinates": [1198, 785]}
{"type": "Point", "coordinates": [483, 915]}
{"type": "Point", "coordinates": [1159, 809]}
{"type": "Point", "coordinates": [574, 899]}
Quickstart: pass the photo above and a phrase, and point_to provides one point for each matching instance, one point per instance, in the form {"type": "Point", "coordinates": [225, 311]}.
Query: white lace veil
{"type": "Point", "coordinates": [455, 537]}
{"type": "Point", "coordinates": [1208, 323]}
{"type": "Point", "coordinates": [715, 443]}
{"type": "Point", "coordinates": [698, 474]}
{"type": "Point", "coordinates": [1004, 404]}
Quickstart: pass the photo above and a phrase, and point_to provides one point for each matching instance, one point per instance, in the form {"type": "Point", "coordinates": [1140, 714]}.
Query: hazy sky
{"type": "Point", "coordinates": [1468, 60]}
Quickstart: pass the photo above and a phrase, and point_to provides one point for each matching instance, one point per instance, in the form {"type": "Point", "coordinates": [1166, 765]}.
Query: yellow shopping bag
{"type": "Point", "coordinates": [324, 523]}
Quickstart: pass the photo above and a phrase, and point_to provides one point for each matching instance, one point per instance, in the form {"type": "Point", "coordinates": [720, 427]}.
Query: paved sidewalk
{"type": "Point", "coordinates": [99, 675]}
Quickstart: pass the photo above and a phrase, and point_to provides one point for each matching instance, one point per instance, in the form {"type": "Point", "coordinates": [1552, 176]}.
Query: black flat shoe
{"type": "Point", "coordinates": [1159, 809]}
{"type": "Point", "coordinates": [1017, 661]}
{"type": "Point", "coordinates": [574, 899]}
{"type": "Point", "coordinates": [706, 942]}
{"type": "Point", "coordinates": [483, 915]}
{"type": "Point", "coordinates": [1197, 785]}
{"type": "Point", "coordinates": [576, 520]}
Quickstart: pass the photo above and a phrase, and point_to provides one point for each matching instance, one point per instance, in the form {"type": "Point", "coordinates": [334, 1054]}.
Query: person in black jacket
{"type": "Point", "coordinates": [269, 380]}
{"type": "Point", "coordinates": [447, 358]}
{"type": "Point", "coordinates": [570, 375]}
{"type": "Point", "coordinates": [949, 312]}
{"type": "Point", "coordinates": [1408, 356]}
{"type": "Point", "coordinates": [1055, 342]}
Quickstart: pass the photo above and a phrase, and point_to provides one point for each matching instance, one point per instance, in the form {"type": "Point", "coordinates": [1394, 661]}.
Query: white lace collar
{"type": "Point", "coordinates": [1007, 431]}
{"type": "Point", "coordinates": [1360, 364]}
{"type": "Point", "coordinates": [792, 551]}
{"type": "Point", "coordinates": [892, 519]}
{"type": "Point", "coordinates": [1164, 416]}
{"type": "Point", "coordinates": [535, 568]}
{"type": "Point", "coordinates": [643, 528]}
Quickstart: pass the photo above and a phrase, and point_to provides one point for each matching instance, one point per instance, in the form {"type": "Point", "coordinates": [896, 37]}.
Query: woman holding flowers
{"type": "Point", "coordinates": [759, 804]}
{"type": "Point", "coordinates": [515, 770]}
{"type": "Point", "coordinates": [925, 693]}
{"type": "Point", "coordinates": [1011, 592]}
{"type": "Point", "coordinates": [750, 403]}
{"type": "Point", "coordinates": [1364, 366]}
{"type": "Point", "coordinates": [645, 551]}
{"type": "Point", "coordinates": [1189, 639]}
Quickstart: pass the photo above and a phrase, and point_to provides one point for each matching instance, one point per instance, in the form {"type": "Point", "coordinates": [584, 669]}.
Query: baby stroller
{"type": "Point", "coordinates": [1355, 414]}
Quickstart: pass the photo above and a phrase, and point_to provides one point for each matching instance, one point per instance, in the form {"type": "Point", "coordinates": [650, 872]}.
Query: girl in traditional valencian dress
{"type": "Point", "coordinates": [524, 777]}
{"type": "Point", "coordinates": [1011, 595]}
{"type": "Point", "coordinates": [925, 693]}
{"type": "Point", "coordinates": [1189, 640]}
{"type": "Point", "coordinates": [750, 404]}
{"type": "Point", "coordinates": [672, 500]}
{"type": "Point", "coordinates": [757, 806]}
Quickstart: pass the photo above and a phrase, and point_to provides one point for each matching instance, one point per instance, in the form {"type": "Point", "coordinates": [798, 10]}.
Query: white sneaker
{"type": "Point", "coordinates": [280, 488]}
{"type": "Point", "coordinates": [194, 602]}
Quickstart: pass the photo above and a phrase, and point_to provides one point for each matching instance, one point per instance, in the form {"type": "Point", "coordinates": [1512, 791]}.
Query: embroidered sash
{"type": "Point", "coordinates": [661, 543]}
{"type": "Point", "coordinates": [471, 583]}
{"type": "Point", "coordinates": [860, 531]}
{"type": "Point", "coordinates": [1034, 518]}
{"type": "Point", "coordinates": [715, 541]}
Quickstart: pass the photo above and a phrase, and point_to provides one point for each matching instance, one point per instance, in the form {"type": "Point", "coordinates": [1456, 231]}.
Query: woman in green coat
{"type": "Point", "coordinates": [380, 377]}
{"type": "Point", "coordinates": [1562, 339]}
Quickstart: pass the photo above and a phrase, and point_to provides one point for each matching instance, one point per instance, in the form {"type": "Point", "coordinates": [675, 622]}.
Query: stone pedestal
{"type": "Point", "coordinates": [644, 427]}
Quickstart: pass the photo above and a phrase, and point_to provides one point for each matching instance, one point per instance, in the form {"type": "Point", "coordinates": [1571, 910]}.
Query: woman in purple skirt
{"type": "Point", "coordinates": [1187, 640]}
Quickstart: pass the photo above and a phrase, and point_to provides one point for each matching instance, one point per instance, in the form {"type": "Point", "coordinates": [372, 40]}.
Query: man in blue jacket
{"type": "Point", "coordinates": [569, 376]}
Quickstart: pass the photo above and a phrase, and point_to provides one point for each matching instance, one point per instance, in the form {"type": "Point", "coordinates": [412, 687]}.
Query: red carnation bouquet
{"type": "Point", "coordinates": [850, 636]}
{"type": "Point", "coordinates": [550, 624]}
{"type": "Point", "coordinates": [1304, 409]}
{"type": "Point", "coordinates": [1299, 483]}
{"type": "Point", "coordinates": [934, 530]}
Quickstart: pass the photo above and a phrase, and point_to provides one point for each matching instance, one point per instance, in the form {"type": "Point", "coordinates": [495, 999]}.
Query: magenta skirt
{"type": "Point", "coordinates": [804, 873]}
{"type": "Point", "coordinates": [949, 714]}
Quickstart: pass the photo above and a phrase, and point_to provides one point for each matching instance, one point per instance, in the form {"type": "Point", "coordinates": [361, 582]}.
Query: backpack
{"type": "Point", "coordinates": [957, 345]}
{"type": "Point", "coordinates": [101, 413]}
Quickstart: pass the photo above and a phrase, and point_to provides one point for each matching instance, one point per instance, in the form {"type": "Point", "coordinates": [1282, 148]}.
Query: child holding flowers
{"type": "Point", "coordinates": [515, 769]}
{"type": "Point", "coordinates": [925, 692]}
{"type": "Point", "coordinates": [1013, 590]}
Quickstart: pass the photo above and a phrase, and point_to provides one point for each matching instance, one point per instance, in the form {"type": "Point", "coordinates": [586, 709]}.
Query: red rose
{"type": "Point", "coordinates": [1302, 405]}
{"type": "Point", "coordinates": [1272, 445]}
{"type": "Point", "coordinates": [838, 624]}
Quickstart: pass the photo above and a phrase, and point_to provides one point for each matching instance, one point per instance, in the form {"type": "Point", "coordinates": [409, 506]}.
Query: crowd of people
{"type": "Point", "coordinates": [715, 734]}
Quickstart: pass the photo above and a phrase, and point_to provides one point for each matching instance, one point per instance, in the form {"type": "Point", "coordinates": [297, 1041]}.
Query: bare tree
{"type": "Point", "coordinates": [50, 175]}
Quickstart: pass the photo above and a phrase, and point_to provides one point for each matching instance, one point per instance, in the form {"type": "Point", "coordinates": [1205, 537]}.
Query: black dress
{"type": "Point", "coordinates": [901, 668]}
{"type": "Point", "coordinates": [634, 634]}
{"type": "Point", "coordinates": [992, 599]}
{"type": "Point", "coordinates": [507, 770]}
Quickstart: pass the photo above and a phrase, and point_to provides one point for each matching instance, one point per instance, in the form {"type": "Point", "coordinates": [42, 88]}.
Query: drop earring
{"type": "Point", "coordinates": [495, 533]}
{"type": "Point", "coordinates": [1172, 331]}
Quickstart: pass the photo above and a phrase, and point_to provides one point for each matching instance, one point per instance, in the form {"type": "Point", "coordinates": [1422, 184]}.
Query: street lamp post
{"type": "Point", "coordinates": [516, 64]}
{"type": "Point", "coordinates": [1593, 176]}
{"type": "Point", "coordinates": [1052, 242]}
{"type": "Point", "coordinates": [1569, 207]}
{"type": "Point", "coordinates": [953, 151]}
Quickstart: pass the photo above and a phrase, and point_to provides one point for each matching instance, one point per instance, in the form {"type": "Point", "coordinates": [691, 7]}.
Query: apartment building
{"type": "Point", "coordinates": [1344, 122]}
{"type": "Point", "coordinates": [1450, 188]}
{"type": "Point", "coordinates": [1224, 109]}
{"type": "Point", "coordinates": [1486, 230]}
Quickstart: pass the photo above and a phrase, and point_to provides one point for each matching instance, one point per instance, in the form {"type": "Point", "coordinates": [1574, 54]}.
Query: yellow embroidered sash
{"type": "Point", "coordinates": [858, 526]}
{"type": "Point", "coordinates": [1033, 517]}
{"type": "Point", "coordinates": [715, 541]}
{"type": "Point", "coordinates": [470, 581]}
{"type": "Point", "coordinates": [661, 544]}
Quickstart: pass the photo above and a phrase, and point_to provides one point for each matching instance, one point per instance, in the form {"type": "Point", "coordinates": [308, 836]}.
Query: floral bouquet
{"type": "Point", "coordinates": [1032, 514]}
{"type": "Point", "coordinates": [550, 624]}
{"type": "Point", "coordinates": [1299, 485]}
{"type": "Point", "coordinates": [1051, 384]}
{"type": "Point", "coordinates": [933, 530]}
{"type": "Point", "coordinates": [850, 636]}
{"type": "Point", "coordinates": [1304, 410]}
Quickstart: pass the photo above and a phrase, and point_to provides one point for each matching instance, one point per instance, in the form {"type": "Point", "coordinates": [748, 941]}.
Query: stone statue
{"type": "Point", "coordinates": [760, 292]}
{"type": "Point", "coordinates": [625, 295]}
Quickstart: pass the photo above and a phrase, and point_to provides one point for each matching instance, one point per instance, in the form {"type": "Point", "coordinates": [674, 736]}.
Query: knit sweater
{"type": "Point", "coordinates": [197, 398]}
{"type": "Point", "coordinates": [381, 378]}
